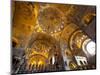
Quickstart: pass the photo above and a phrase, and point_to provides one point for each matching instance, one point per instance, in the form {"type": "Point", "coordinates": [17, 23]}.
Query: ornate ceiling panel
{"type": "Point", "coordinates": [50, 32]}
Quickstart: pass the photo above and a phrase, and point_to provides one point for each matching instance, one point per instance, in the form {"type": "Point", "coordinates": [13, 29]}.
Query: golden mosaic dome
{"type": "Point", "coordinates": [51, 19]}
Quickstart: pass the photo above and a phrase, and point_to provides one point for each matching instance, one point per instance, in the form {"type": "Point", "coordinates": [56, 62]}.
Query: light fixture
{"type": "Point", "coordinates": [55, 31]}
{"type": "Point", "coordinates": [59, 29]}
{"type": "Point", "coordinates": [61, 26]}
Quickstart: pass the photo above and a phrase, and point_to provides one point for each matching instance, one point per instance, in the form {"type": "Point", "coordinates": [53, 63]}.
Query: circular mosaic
{"type": "Point", "coordinates": [51, 19]}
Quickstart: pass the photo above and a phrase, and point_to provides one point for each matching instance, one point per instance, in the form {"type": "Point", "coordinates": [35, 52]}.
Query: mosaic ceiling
{"type": "Point", "coordinates": [45, 31]}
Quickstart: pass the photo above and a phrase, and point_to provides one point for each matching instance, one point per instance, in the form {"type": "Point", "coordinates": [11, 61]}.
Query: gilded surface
{"type": "Point", "coordinates": [46, 30]}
